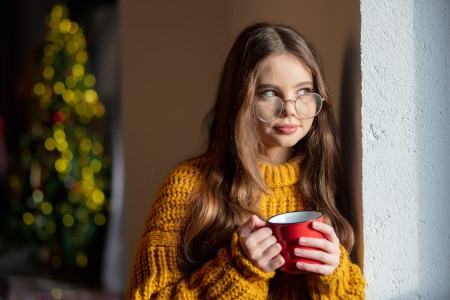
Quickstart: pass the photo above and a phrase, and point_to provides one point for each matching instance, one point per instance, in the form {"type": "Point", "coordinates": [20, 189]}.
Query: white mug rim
{"type": "Point", "coordinates": [315, 216]}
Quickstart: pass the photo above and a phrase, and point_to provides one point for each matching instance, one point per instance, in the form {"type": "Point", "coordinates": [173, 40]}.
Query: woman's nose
{"type": "Point", "coordinates": [288, 108]}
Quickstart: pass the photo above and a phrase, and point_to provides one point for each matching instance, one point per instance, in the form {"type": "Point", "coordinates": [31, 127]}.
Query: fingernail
{"type": "Point", "coordinates": [298, 251]}
{"type": "Point", "coordinates": [299, 265]}
{"type": "Point", "coordinates": [303, 241]}
{"type": "Point", "coordinates": [315, 224]}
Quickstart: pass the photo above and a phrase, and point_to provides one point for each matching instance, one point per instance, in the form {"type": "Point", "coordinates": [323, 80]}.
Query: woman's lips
{"type": "Point", "coordinates": [287, 129]}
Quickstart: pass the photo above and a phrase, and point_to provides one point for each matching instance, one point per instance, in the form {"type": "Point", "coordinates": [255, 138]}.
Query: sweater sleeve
{"type": "Point", "coordinates": [156, 273]}
{"type": "Point", "coordinates": [346, 282]}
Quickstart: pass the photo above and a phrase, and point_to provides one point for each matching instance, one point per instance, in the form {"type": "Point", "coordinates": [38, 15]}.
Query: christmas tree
{"type": "Point", "coordinates": [59, 186]}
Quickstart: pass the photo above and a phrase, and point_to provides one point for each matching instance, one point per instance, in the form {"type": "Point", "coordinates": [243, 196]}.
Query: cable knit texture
{"type": "Point", "coordinates": [230, 275]}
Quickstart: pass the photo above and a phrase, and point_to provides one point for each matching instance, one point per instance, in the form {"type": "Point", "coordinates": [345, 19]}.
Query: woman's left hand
{"type": "Point", "coordinates": [330, 256]}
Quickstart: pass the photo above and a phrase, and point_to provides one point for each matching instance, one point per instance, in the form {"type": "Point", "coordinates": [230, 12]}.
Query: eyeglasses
{"type": "Point", "coordinates": [270, 108]}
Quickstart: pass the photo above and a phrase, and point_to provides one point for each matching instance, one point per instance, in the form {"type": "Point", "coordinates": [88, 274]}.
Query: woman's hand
{"type": "Point", "coordinates": [260, 245]}
{"type": "Point", "coordinates": [330, 256]}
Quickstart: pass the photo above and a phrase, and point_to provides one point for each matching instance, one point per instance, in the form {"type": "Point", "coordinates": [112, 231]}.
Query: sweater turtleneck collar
{"type": "Point", "coordinates": [285, 174]}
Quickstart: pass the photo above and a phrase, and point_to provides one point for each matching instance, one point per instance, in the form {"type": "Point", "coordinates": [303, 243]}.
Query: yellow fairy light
{"type": "Point", "coordinates": [82, 260]}
{"type": "Point", "coordinates": [99, 219]}
{"type": "Point", "coordinates": [74, 28]}
{"type": "Point", "coordinates": [72, 47]}
{"type": "Point", "coordinates": [38, 196]}
{"type": "Point", "coordinates": [66, 209]}
{"type": "Point", "coordinates": [81, 57]}
{"type": "Point", "coordinates": [28, 218]}
{"type": "Point", "coordinates": [50, 144]}
{"type": "Point", "coordinates": [44, 102]}
{"type": "Point", "coordinates": [67, 155]}
{"type": "Point", "coordinates": [78, 70]}
{"type": "Point", "coordinates": [45, 132]}
{"type": "Point", "coordinates": [59, 88]}
{"type": "Point", "coordinates": [64, 176]}
{"type": "Point", "coordinates": [98, 197]}
{"type": "Point", "coordinates": [68, 220]}
{"type": "Point", "coordinates": [65, 26]}
{"type": "Point", "coordinates": [57, 12]}
{"type": "Point", "coordinates": [78, 95]}
{"type": "Point", "coordinates": [97, 148]}
{"type": "Point", "coordinates": [72, 196]}
{"type": "Point", "coordinates": [50, 227]}
{"type": "Point", "coordinates": [48, 72]}
{"type": "Point", "coordinates": [96, 165]}
{"type": "Point", "coordinates": [39, 89]}
{"type": "Point", "coordinates": [81, 109]}
{"type": "Point", "coordinates": [68, 96]}
{"type": "Point", "coordinates": [91, 96]}
{"type": "Point", "coordinates": [88, 184]}
{"type": "Point", "coordinates": [89, 80]}
{"type": "Point", "coordinates": [62, 145]}
{"type": "Point", "coordinates": [58, 126]}
{"type": "Point", "coordinates": [99, 109]}
{"type": "Point", "coordinates": [46, 208]}
{"type": "Point", "coordinates": [61, 165]}
{"type": "Point", "coordinates": [86, 144]}
{"type": "Point", "coordinates": [82, 214]}
{"type": "Point", "coordinates": [49, 50]}
{"type": "Point", "coordinates": [91, 205]}
{"type": "Point", "coordinates": [54, 24]}
{"type": "Point", "coordinates": [80, 40]}
{"type": "Point", "coordinates": [58, 44]}
{"type": "Point", "coordinates": [87, 173]}
{"type": "Point", "coordinates": [71, 81]}
{"type": "Point", "coordinates": [59, 134]}
{"type": "Point", "coordinates": [57, 293]}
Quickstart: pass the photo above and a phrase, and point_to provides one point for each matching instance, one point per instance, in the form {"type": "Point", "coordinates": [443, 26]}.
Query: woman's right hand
{"type": "Point", "coordinates": [259, 244]}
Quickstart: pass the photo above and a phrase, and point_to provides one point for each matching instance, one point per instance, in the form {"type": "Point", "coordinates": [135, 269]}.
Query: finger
{"type": "Point", "coordinates": [316, 268]}
{"type": "Point", "coordinates": [268, 241]}
{"type": "Point", "coordinates": [258, 241]}
{"type": "Point", "coordinates": [275, 263]}
{"type": "Point", "coordinates": [327, 230]}
{"type": "Point", "coordinates": [253, 222]}
{"type": "Point", "coordinates": [328, 259]}
{"type": "Point", "coordinates": [271, 251]}
{"type": "Point", "coordinates": [323, 244]}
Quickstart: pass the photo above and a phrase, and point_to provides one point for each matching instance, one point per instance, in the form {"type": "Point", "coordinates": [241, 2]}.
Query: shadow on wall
{"type": "Point", "coordinates": [432, 65]}
{"type": "Point", "coordinates": [350, 127]}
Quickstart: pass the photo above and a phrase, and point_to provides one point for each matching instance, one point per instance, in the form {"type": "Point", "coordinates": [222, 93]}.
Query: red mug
{"type": "Point", "coordinates": [288, 228]}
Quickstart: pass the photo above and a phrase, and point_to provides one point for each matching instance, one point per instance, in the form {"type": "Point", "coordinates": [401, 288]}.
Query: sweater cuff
{"type": "Point", "coordinates": [247, 268]}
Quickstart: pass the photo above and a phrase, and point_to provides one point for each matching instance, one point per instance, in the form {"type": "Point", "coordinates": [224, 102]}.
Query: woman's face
{"type": "Point", "coordinates": [286, 77]}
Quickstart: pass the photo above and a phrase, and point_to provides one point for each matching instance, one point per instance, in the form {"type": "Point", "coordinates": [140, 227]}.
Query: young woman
{"type": "Point", "coordinates": [273, 148]}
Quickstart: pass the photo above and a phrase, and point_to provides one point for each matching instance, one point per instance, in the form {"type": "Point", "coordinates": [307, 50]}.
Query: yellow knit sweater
{"type": "Point", "coordinates": [155, 273]}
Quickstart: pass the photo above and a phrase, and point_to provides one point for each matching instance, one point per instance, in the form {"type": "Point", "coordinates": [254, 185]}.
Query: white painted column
{"type": "Point", "coordinates": [405, 62]}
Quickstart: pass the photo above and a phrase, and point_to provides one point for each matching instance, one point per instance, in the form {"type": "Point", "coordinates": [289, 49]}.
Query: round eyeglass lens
{"type": "Point", "coordinates": [269, 108]}
{"type": "Point", "coordinates": [308, 105]}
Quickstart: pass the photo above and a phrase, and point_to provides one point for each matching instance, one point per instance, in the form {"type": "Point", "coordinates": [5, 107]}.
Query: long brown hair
{"type": "Point", "coordinates": [233, 183]}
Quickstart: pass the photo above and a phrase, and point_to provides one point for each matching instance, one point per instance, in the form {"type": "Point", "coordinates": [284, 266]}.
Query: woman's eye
{"type": "Point", "coordinates": [268, 93]}
{"type": "Point", "coordinates": [304, 91]}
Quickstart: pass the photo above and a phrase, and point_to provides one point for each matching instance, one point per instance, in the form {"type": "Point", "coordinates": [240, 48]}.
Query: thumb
{"type": "Point", "coordinates": [250, 225]}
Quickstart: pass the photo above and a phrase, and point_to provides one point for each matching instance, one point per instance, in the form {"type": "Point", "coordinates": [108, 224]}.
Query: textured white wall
{"type": "Point", "coordinates": [405, 51]}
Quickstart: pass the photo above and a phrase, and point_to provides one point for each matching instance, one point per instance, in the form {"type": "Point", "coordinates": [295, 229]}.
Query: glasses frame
{"type": "Point", "coordinates": [295, 106]}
